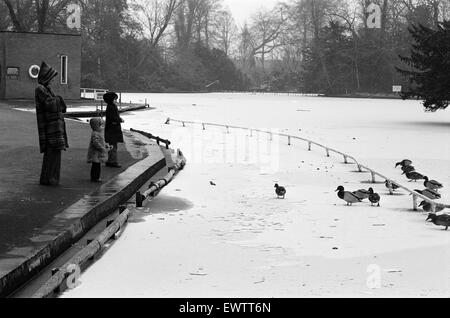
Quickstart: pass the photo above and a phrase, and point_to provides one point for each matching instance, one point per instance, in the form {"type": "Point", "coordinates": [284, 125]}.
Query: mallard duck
{"type": "Point", "coordinates": [362, 194]}
{"type": "Point", "coordinates": [374, 198]}
{"type": "Point", "coordinates": [404, 163]}
{"type": "Point", "coordinates": [433, 195]}
{"type": "Point", "coordinates": [347, 196]}
{"type": "Point", "coordinates": [426, 206]}
{"type": "Point", "coordinates": [432, 184]}
{"type": "Point", "coordinates": [393, 186]}
{"type": "Point", "coordinates": [280, 191]}
{"type": "Point", "coordinates": [440, 220]}
{"type": "Point", "coordinates": [413, 176]}
{"type": "Point", "coordinates": [408, 169]}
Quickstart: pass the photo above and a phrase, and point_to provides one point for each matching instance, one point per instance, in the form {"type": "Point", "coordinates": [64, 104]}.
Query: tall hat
{"type": "Point", "coordinates": [46, 74]}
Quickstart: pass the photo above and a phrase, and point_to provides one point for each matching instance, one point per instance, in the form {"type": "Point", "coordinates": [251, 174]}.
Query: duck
{"type": "Point", "coordinates": [374, 198]}
{"type": "Point", "coordinates": [426, 206]}
{"type": "Point", "coordinates": [404, 163]}
{"type": "Point", "coordinates": [362, 194]}
{"type": "Point", "coordinates": [347, 196]}
{"type": "Point", "coordinates": [413, 176]}
{"type": "Point", "coordinates": [280, 191]}
{"type": "Point", "coordinates": [408, 169]}
{"type": "Point", "coordinates": [432, 184]}
{"type": "Point", "coordinates": [433, 195]}
{"type": "Point", "coordinates": [393, 185]}
{"type": "Point", "coordinates": [439, 220]}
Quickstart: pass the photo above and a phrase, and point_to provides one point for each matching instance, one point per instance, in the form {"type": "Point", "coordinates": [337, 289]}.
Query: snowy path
{"type": "Point", "coordinates": [237, 240]}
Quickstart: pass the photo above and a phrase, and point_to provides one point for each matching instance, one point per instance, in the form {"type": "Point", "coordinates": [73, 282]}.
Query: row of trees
{"type": "Point", "coordinates": [323, 46]}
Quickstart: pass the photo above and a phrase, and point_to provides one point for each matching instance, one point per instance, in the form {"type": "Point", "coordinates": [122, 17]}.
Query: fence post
{"type": "Point", "coordinates": [289, 140]}
{"type": "Point", "coordinates": [328, 152]}
{"type": "Point", "coordinates": [309, 146]}
{"type": "Point", "coordinates": [345, 160]}
{"type": "Point", "coordinates": [373, 177]}
{"type": "Point", "coordinates": [203, 125]}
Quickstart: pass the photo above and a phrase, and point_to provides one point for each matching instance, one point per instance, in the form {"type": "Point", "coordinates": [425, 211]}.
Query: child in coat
{"type": "Point", "coordinates": [98, 150]}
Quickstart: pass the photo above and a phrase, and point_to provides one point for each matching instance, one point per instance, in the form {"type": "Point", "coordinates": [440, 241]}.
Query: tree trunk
{"type": "Point", "coordinates": [16, 23]}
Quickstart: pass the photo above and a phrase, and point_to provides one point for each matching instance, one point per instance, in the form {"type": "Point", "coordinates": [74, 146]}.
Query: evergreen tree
{"type": "Point", "coordinates": [429, 63]}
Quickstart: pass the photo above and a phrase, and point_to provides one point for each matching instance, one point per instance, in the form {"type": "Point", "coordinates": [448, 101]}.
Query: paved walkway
{"type": "Point", "coordinates": [25, 206]}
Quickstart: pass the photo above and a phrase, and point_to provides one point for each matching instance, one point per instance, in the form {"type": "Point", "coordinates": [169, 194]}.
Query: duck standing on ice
{"type": "Point", "coordinates": [426, 206]}
{"type": "Point", "coordinates": [432, 184]}
{"type": "Point", "coordinates": [393, 186]}
{"type": "Point", "coordinates": [440, 220]}
{"type": "Point", "coordinates": [374, 198]}
{"type": "Point", "coordinates": [280, 191]}
{"type": "Point", "coordinates": [347, 196]}
{"type": "Point", "coordinates": [413, 176]}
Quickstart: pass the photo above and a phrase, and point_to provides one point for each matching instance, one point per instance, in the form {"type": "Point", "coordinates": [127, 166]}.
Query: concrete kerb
{"type": "Point", "coordinates": [35, 263]}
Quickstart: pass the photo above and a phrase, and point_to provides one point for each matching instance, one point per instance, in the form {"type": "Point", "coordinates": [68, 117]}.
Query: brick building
{"type": "Point", "coordinates": [21, 55]}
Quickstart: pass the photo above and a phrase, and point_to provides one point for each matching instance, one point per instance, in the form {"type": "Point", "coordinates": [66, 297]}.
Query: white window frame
{"type": "Point", "coordinates": [64, 80]}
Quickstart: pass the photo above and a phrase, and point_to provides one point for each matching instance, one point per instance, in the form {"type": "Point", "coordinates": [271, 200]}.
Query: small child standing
{"type": "Point", "coordinates": [98, 150]}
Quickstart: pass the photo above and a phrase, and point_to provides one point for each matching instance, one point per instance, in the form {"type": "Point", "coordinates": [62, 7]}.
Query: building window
{"type": "Point", "coordinates": [64, 64]}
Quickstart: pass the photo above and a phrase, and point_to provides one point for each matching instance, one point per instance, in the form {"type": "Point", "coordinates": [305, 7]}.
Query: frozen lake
{"type": "Point", "coordinates": [236, 239]}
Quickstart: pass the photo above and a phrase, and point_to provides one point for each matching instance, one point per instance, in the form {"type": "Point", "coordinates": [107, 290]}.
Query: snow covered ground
{"type": "Point", "coordinates": [236, 239]}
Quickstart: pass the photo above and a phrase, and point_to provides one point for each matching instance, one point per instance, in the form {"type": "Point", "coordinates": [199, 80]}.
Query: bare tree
{"type": "Point", "coordinates": [155, 17]}
{"type": "Point", "coordinates": [37, 15]}
{"type": "Point", "coordinates": [225, 31]}
{"type": "Point", "coordinates": [267, 27]}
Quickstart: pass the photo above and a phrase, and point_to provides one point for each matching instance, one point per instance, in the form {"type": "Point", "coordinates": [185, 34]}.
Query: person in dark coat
{"type": "Point", "coordinates": [113, 128]}
{"type": "Point", "coordinates": [51, 126]}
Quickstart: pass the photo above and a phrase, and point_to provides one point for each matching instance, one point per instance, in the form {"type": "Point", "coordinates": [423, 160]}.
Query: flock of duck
{"type": "Point", "coordinates": [431, 191]}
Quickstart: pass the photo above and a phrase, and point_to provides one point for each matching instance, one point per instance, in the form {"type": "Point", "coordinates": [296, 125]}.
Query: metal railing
{"type": "Point", "coordinates": [93, 93]}
{"type": "Point", "coordinates": [328, 150]}
{"type": "Point", "coordinates": [158, 139]}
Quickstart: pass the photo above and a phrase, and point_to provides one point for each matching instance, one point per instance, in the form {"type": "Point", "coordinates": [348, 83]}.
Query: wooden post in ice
{"type": "Point", "coordinates": [328, 152]}
{"type": "Point", "coordinates": [373, 177]}
{"type": "Point", "coordinates": [345, 160]}
{"type": "Point", "coordinates": [289, 140]}
{"type": "Point", "coordinates": [228, 130]}
{"type": "Point", "coordinates": [203, 125]}
{"type": "Point", "coordinates": [309, 146]}
{"type": "Point", "coordinates": [414, 202]}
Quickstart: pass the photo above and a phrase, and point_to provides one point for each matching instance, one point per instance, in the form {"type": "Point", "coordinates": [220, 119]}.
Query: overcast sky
{"type": "Point", "coordinates": [243, 9]}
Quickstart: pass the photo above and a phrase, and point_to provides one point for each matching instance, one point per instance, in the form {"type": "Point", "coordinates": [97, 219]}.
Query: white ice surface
{"type": "Point", "coordinates": [237, 239]}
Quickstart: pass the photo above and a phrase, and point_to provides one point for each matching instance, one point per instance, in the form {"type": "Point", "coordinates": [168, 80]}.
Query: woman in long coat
{"type": "Point", "coordinates": [113, 128]}
{"type": "Point", "coordinates": [51, 126]}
